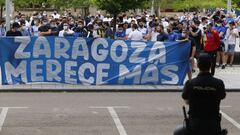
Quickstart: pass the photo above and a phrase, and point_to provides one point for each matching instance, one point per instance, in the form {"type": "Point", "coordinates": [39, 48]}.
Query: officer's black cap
{"type": "Point", "coordinates": [204, 58]}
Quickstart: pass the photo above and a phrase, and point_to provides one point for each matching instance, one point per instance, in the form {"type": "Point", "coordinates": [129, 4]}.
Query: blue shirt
{"type": "Point", "coordinates": [120, 34]}
{"type": "Point", "coordinates": [162, 37]}
{"type": "Point", "coordinates": [220, 29]}
{"type": "Point", "coordinates": [172, 36]}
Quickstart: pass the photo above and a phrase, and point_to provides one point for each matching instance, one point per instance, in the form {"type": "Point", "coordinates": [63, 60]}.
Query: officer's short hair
{"type": "Point", "coordinates": [204, 62]}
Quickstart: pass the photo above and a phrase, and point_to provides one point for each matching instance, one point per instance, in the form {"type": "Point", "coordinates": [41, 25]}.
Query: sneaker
{"type": "Point", "coordinates": [217, 66]}
{"type": "Point", "coordinates": [223, 66]}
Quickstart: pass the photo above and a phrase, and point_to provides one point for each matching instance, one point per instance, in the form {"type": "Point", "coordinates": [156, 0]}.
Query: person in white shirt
{"type": "Point", "coordinates": [153, 35]}
{"type": "Point", "coordinates": [129, 30]}
{"type": "Point", "coordinates": [35, 27]}
{"type": "Point", "coordinates": [142, 27]}
{"type": "Point", "coordinates": [203, 24]}
{"type": "Point", "coordinates": [66, 31]}
{"type": "Point", "coordinates": [135, 34]}
{"type": "Point", "coordinates": [230, 38]}
{"type": "Point", "coordinates": [165, 24]}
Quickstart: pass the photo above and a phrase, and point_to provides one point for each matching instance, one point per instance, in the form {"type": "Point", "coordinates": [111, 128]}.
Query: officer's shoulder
{"type": "Point", "coordinates": [191, 81]}
{"type": "Point", "coordinates": [217, 80]}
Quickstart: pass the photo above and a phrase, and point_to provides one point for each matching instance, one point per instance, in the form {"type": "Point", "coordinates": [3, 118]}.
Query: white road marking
{"type": "Point", "coordinates": [3, 116]}
{"type": "Point", "coordinates": [94, 112]}
{"type": "Point", "coordinates": [104, 107]}
{"type": "Point", "coordinates": [4, 112]}
{"type": "Point", "coordinates": [230, 119]}
{"type": "Point", "coordinates": [115, 117]}
{"type": "Point", "coordinates": [226, 106]}
{"type": "Point", "coordinates": [117, 121]}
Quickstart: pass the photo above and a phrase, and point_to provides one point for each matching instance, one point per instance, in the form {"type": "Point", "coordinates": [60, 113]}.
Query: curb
{"type": "Point", "coordinates": [94, 91]}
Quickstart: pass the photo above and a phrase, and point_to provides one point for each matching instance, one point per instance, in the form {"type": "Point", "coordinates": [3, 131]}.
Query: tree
{"type": "Point", "coordinates": [236, 4]}
{"type": "Point", "coordinates": [189, 4]}
{"type": "Point", "coordinates": [115, 7]}
{"type": "Point", "coordinates": [158, 4]}
{"type": "Point", "coordinates": [58, 4]}
{"type": "Point", "coordinates": [27, 3]}
{"type": "Point", "coordinates": [2, 2]}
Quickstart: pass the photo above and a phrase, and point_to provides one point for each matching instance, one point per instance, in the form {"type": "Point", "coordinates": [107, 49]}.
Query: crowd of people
{"type": "Point", "coordinates": [215, 33]}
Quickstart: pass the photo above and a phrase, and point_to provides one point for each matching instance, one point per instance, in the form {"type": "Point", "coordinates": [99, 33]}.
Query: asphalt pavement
{"type": "Point", "coordinates": [101, 113]}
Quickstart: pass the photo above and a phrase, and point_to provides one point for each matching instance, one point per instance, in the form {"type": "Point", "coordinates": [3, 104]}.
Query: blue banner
{"type": "Point", "coordinates": [92, 61]}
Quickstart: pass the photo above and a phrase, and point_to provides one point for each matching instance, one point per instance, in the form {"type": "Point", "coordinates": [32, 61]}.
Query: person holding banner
{"type": "Point", "coordinates": [172, 36]}
{"type": "Point", "coordinates": [14, 31]}
{"type": "Point", "coordinates": [66, 32]}
{"type": "Point", "coordinates": [44, 29]}
{"type": "Point", "coordinates": [135, 34]}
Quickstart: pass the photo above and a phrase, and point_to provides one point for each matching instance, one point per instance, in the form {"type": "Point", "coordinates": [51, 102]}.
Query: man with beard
{"type": "Point", "coordinates": [163, 36]}
{"type": "Point", "coordinates": [172, 36]}
{"type": "Point", "coordinates": [142, 28]}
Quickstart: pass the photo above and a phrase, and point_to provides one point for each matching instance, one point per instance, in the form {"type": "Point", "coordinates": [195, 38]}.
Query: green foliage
{"type": "Point", "coordinates": [26, 3]}
{"type": "Point", "coordinates": [117, 6]}
{"type": "Point", "coordinates": [189, 4]}
{"type": "Point", "coordinates": [69, 3]}
{"type": "Point", "coordinates": [49, 3]}
{"type": "Point", "coordinates": [236, 4]}
{"type": "Point", "coordinates": [158, 3]}
{"type": "Point", "coordinates": [2, 2]}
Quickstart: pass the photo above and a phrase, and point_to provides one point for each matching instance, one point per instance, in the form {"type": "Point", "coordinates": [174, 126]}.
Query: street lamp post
{"type": "Point", "coordinates": [229, 6]}
{"type": "Point", "coordinates": [8, 13]}
{"type": "Point", "coordinates": [152, 9]}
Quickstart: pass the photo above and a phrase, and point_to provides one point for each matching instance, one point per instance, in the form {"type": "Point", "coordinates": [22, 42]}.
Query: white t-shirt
{"type": "Point", "coordinates": [231, 36]}
{"type": "Point", "coordinates": [143, 30]}
{"type": "Point", "coordinates": [128, 31]}
{"type": "Point", "coordinates": [135, 35]}
{"type": "Point", "coordinates": [165, 25]}
{"type": "Point", "coordinates": [201, 27]}
{"type": "Point", "coordinates": [154, 36]}
{"type": "Point", "coordinates": [62, 32]}
{"type": "Point", "coordinates": [35, 30]}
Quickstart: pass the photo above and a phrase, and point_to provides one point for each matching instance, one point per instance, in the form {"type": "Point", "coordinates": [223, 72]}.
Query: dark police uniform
{"type": "Point", "coordinates": [204, 94]}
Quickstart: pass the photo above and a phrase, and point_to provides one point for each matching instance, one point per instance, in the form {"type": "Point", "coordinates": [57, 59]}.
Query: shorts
{"type": "Point", "coordinates": [221, 47]}
{"type": "Point", "coordinates": [231, 49]}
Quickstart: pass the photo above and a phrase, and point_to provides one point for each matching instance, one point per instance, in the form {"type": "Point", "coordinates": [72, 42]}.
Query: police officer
{"type": "Point", "coordinates": [203, 94]}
